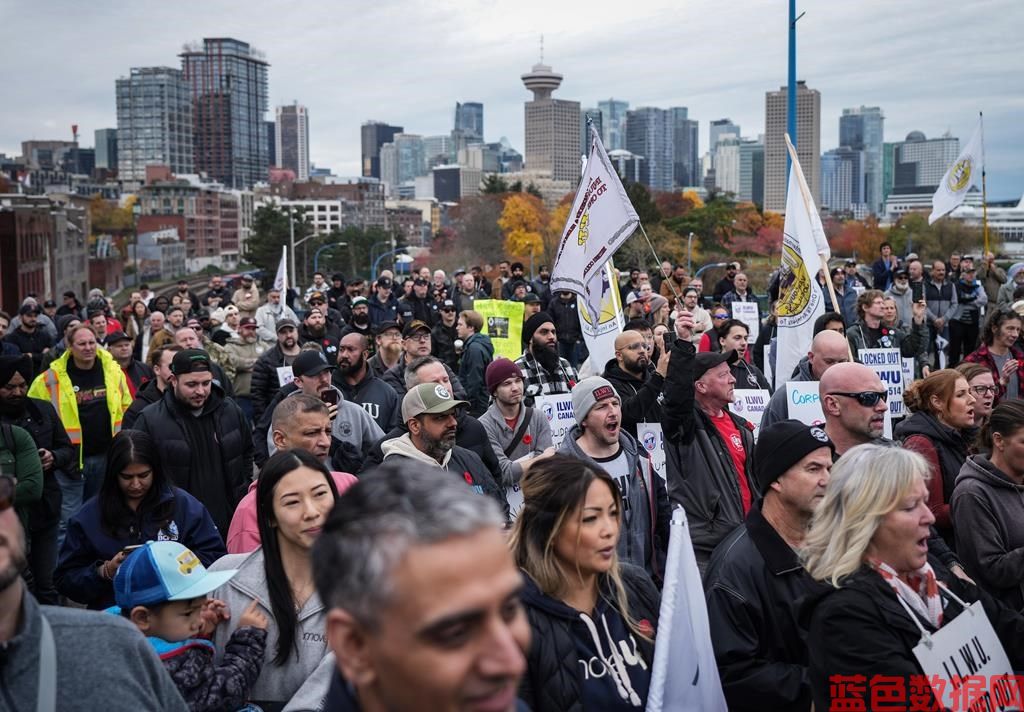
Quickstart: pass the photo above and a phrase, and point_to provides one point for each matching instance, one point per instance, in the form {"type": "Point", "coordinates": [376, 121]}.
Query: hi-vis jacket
{"type": "Point", "coordinates": [54, 385]}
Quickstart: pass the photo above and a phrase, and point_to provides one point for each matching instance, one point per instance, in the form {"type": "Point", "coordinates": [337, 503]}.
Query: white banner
{"type": "Point", "coordinates": [281, 278]}
{"type": "Point", "coordinates": [652, 439]}
{"type": "Point", "coordinates": [888, 364]}
{"type": "Point", "coordinates": [804, 249]}
{"type": "Point", "coordinates": [750, 403]}
{"type": "Point", "coordinates": [600, 336]}
{"type": "Point", "coordinates": [965, 172]}
{"type": "Point", "coordinates": [747, 312]}
{"type": "Point", "coordinates": [601, 219]}
{"type": "Point", "coordinates": [558, 410]}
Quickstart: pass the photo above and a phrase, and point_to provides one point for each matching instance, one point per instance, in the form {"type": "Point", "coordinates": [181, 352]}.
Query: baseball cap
{"type": "Point", "coordinates": [384, 282]}
{"type": "Point", "coordinates": [310, 363]}
{"type": "Point", "coordinates": [190, 361]}
{"type": "Point", "coordinates": [784, 444]}
{"type": "Point", "coordinates": [428, 398]}
{"type": "Point", "coordinates": [29, 309]}
{"type": "Point", "coordinates": [447, 305]}
{"type": "Point", "coordinates": [360, 301]}
{"type": "Point", "coordinates": [385, 325]}
{"type": "Point", "coordinates": [531, 298]}
{"type": "Point", "coordinates": [317, 296]}
{"type": "Point", "coordinates": [114, 337]}
{"type": "Point", "coordinates": [851, 262]}
{"type": "Point", "coordinates": [704, 362]}
{"type": "Point", "coordinates": [588, 393]}
{"type": "Point", "coordinates": [163, 571]}
{"type": "Point", "coordinates": [420, 282]}
{"type": "Point", "coordinates": [901, 272]}
{"type": "Point", "coordinates": [49, 303]}
{"type": "Point", "coordinates": [246, 277]}
{"type": "Point", "coordinates": [413, 326]}
{"type": "Point", "coordinates": [285, 324]}
{"type": "Point", "coordinates": [246, 321]}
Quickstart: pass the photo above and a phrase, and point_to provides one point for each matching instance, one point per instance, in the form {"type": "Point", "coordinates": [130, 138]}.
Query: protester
{"type": "Point", "coordinates": [477, 353]}
{"type": "Point", "coordinates": [383, 304]}
{"type": "Point", "coordinates": [732, 336]}
{"type": "Point", "coordinates": [358, 384]}
{"type": "Point", "coordinates": [708, 449]}
{"type": "Point", "coordinates": [136, 373]}
{"type": "Point", "coordinates": [883, 268]}
{"type": "Point", "coordinates": [274, 368]}
{"type": "Point", "coordinates": [240, 356]}
{"type": "Point", "coordinates": [202, 437]}
{"type": "Point", "coordinates": [246, 297]}
{"type": "Point", "coordinates": [942, 413]}
{"type": "Point", "coordinates": [442, 557]}
{"type": "Point", "coordinates": [828, 348]}
{"type": "Point", "coordinates": [564, 315]}
{"type": "Point", "coordinates": [674, 284]}
{"type": "Point", "coordinates": [868, 543]}
{"type": "Point", "coordinates": [270, 313]}
{"type": "Point", "coordinates": [755, 582]}
{"type": "Point", "coordinates": [845, 294]}
{"type": "Point", "coordinates": [580, 599]}
{"type": "Point", "coordinates": [708, 341]}
{"type": "Point", "coordinates": [965, 322]}
{"type": "Point", "coordinates": [544, 371]}
{"type": "Point", "coordinates": [869, 332]}
{"type": "Point", "coordinates": [1000, 353]}
{"type": "Point", "coordinates": [444, 333]}
{"type": "Point", "coordinates": [294, 494]}
{"type": "Point", "coordinates": [135, 504]}
{"type": "Point", "coordinates": [987, 508]}
{"type": "Point", "coordinates": [29, 336]}
{"type": "Point", "coordinates": [415, 344]}
{"type": "Point", "coordinates": [160, 363]}
{"type": "Point", "coordinates": [940, 297]}
{"type": "Point", "coordinates": [701, 317]}
{"type": "Point", "coordinates": [637, 384]}
{"type": "Point", "coordinates": [388, 348]}
{"type": "Point", "coordinates": [725, 285]}
{"type": "Point", "coordinates": [979, 380]}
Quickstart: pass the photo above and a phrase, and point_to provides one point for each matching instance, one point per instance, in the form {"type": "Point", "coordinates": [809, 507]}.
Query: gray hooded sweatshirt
{"type": "Point", "coordinates": [276, 684]}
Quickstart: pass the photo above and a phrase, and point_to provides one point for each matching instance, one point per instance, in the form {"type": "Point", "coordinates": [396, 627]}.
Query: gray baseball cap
{"type": "Point", "coordinates": [428, 398]}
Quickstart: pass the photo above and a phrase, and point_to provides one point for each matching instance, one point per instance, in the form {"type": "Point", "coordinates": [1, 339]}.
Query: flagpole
{"type": "Point", "coordinates": [984, 197]}
{"type": "Point", "coordinates": [657, 260]}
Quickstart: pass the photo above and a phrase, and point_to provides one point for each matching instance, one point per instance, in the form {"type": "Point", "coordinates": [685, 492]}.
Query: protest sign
{"type": "Point", "coordinates": [558, 410]}
{"type": "Point", "coordinates": [750, 403]}
{"type": "Point", "coordinates": [804, 403]}
{"type": "Point", "coordinates": [503, 323]}
{"type": "Point", "coordinates": [888, 364]}
{"type": "Point", "coordinates": [748, 314]}
{"type": "Point", "coordinates": [652, 439]}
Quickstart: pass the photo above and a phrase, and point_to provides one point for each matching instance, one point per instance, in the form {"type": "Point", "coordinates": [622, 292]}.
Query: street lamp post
{"type": "Point", "coordinates": [316, 255]}
{"type": "Point", "coordinates": [373, 270]}
{"type": "Point", "coordinates": [689, 254]}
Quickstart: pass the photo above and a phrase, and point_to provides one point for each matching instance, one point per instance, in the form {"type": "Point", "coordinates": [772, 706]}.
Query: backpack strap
{"type": "Point", "coordinates": [520, 431]}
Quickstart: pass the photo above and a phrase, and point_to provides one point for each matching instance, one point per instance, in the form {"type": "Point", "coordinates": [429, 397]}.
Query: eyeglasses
{"type": "Point", "coordinates": [7, 486]}
{"type": "Point", "coordinates": [868, 399]}
{"type": "Point", "coordinates": [982, 390]}
{"type": "Point", "coordinates": [422, 338]}
{"type": "Point", "coordinates": [719, 316]}
{"type": "Point", "coordinates": [638, 346]}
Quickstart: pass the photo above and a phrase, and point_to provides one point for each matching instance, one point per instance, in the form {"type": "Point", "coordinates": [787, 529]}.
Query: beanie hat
{"type": "Point", "coordinates": [498, 370]}
{"type": "Point", "coordinates": [782, 445]}
{"type": "Point", "coordinates": [534, 323]}
{"type": "Point", "coordinates": [588, 393]}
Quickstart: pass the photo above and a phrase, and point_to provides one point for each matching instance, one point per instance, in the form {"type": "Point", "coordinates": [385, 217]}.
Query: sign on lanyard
{"type": "Point", "coordinates": [514, 497]}
{"type": "Point", "coordinates": [285, 375]}
{"type": "Point", "coordinates": [652, 439]}
{"type": "Point", "coordinates": [750, 403]}
{"type": "Point", "coordinates": [558, 410]}
{"type": "Point", "coordinates": [966, 651]}
{"type": "Point", "coordinates": [747, 312]}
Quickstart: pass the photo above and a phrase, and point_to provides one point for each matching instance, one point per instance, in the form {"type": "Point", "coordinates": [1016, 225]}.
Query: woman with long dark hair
{"type": "Point", "coordinates": [136, 503]}
{"type": "Point", "coordinates": [294, 495]}
{"type": "Point", "coordinates": [593, 618]}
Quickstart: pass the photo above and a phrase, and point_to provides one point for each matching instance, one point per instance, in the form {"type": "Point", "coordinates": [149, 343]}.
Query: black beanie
{"type": "Point", "coordinates": [782, 445]}
{"type": "Point", "coordinates": [9, 365]}
{"type": "Point", "coordinates": [534, 323]}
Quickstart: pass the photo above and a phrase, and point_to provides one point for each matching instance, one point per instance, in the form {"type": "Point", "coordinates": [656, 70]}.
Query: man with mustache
{"type": "Point", "coordinates": [355, 380]}
{"type": "Point", "coordinates": [599, 440]}
{"type": "Point", "coordinates": [429, 411]}
{"type": "Point", "coordinates": [540, 363]}
{"type": "Point", "coordinates": [637, 384]}
{"type": "Point", "coordinates": [387, 337]}
{"type": "Point", "coordinates": [359, 317]}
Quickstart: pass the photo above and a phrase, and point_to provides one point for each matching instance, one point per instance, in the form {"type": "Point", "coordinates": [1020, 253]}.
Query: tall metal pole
{"type": "Point", "coordinates": [984, 193]}
{"type": "Point", "coordinates": [791, 93]}
{"type": "Point", "coordinates": [291, 251]}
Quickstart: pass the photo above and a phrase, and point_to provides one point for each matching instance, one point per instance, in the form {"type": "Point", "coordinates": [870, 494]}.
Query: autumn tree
{"type": "Point", "coordinates": [523, 220]}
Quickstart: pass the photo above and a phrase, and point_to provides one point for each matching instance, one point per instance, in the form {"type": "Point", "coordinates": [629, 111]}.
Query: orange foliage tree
{"type": "Point", "coordinates": [523, 221]}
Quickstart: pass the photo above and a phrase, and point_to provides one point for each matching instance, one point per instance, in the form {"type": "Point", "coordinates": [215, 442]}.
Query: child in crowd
{"type": "Point", "coordinates": [162, 588]}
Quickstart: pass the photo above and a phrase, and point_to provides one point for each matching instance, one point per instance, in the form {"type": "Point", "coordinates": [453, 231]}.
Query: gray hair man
{"type": "Point", "coordinates": [422, 596]}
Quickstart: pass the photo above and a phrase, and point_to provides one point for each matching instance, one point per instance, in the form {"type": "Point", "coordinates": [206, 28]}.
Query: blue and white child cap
{"type": "Point", "coordinates": [161, 571]}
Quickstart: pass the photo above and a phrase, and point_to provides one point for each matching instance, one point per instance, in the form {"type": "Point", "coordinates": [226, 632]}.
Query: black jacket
{"type": "Point", "coordinates": [374, 396]}
{"type": "Point", "coordinates": [755, 585]}
{"type": "Point", "coordinates": [145, 396]}
{"type": "Point", "coordinates": [639, 397]}
{"type": "Point", "coordinates": [209, 456]}
{"type": "Point", "coordinates": [47, 431]}
{"type": "Point", "coordinates": [442, 344]}
{"type": "Point", "coordinates": [265, 383]}
{"type": "Point", "coordinates": [553, 673]}
{"type": "Point", "coordinates": [862, 629]}
{"type": "Point", "coordinates": [31, 343]}
{"type": "Point", "coordinates": [699, 470]}
{"type": "Point", "coordinates": [477, 353]}
{"type": "Point", "coordinates": [208, 686]}
{"type": "Point", "coordinates": [566, 318]}
{"type": "Point", "coordinates": [423, 309]}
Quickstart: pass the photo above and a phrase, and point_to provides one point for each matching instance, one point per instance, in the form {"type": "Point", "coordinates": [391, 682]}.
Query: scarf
{"type": "Point", "coordinates": [921, 593]}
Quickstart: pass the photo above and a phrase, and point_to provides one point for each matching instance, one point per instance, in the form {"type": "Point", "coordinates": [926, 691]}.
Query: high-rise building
{"type": "Point", "coordinates": [649, 133]}
{"type": "Point", "coordinates": [154, 122]}
{"type": "Point", "coordinates": [920, 163]}
{"type": "Point", "coordinates": [726, 161]}
{"type": "Point", "coordinates": [888, 168]}
{"type": "Point", "coordinates": [686, 160]}
{"type": "Point", "coordinates": [751, 171]}
{"type": "Point", "coordinates": [437, 149]}
{"type": "Point", "coordinates": [862, 129]}
{"type": "Point", "coordinates": [292, 139]}
{"type": "Point", "coordinates": [720, 128]}
{"type": "Point", "coordinates": [271, 128]}
{"type": "Point", "coordinates": [597, 118]}
{"type": "Point", "coordinates": [228, 81]}
{"type": "Point", "coordinates": [402, 161]}
{"type": "Point", "coordinates": [106, 149]}
{"type": "Point", "coordinates": [843, 181]}
{"type": "Point", "coordinates": [469, 119]}
{"type": "Point", "coordinates": [613, 114]}
{"type": "Point", "coordinates": [552, 127]}
{"type": "Point", "coordinates": [375, 134]}
{"type": "Point", "coordinates": [808, 144]}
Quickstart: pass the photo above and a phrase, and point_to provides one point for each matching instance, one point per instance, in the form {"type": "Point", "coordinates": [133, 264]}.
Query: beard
{"type": "Point", "coordinates": [438, 447]}
{"type": "Point", "coordinates": [17, 563]}
{"type": "Point", "coordinates": [353, 368]}
{"type": "Point", "coordinates": [393, 349]}
{"type": "Point", "coordinates": [361, 319]}
{"type": "Point", "coordinates": [13, 406]}
{"type": "Point", "coordinates": [547, 356]}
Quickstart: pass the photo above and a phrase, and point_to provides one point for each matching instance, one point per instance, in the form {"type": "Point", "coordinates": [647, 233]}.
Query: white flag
{"type": "Point", "coordinates": [965, 172]}
{"type": "Point", "coordinates": [599, 334]}
{"type": "Point", "coordinates": [684, 676]}
{"type": "Point", "coordinates": [281, 278]}
{"type": "Point", "coordinates": [804, 249]}
{"type": "Point", "coordinates": [601, 219]}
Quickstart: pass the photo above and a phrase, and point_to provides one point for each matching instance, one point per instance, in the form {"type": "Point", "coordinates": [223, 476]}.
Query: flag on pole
{"type": "Point", "coordinates": [684, 676]}
{"type": "Point", "coordinates": [281, 278]}
{"type": "Point", "coordinates": [599, 334]}
{"type": "Point", "coordinates": [601, 219]}
{"type": "Point", "coordinates": [804, 250]}
{"type": "Point", "coordinates": [965, 172]}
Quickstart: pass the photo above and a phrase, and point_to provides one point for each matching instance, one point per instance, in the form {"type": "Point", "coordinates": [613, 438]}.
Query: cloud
{"type": "Point", "coordinates": [930, 66]}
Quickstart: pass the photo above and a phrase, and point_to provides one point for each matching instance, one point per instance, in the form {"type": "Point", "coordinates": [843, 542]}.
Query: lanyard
{"type": "Point", "coordinates": [926, 637]}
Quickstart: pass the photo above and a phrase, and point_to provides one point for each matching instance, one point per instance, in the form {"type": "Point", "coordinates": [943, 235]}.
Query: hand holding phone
{"type": "Point", "coordinates": [917, 291]}
{"type": "Point", "coordinates": [329, 396]}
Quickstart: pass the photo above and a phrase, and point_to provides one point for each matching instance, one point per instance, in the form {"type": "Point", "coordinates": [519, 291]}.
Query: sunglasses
{"type": "Point", "coordinates": [868, 399]}
{"type": "Point", "coordinates": [719, 316]}
{"type": "Point", "coordinates": [7, 486]}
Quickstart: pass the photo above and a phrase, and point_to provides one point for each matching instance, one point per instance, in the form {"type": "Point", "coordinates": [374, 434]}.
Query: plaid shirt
{"type": "Point", "coordinates": [535, 375]}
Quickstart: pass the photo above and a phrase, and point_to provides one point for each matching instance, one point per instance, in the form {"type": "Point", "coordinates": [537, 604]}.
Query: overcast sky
{"type": "Point", "coordinates": [930, 64]}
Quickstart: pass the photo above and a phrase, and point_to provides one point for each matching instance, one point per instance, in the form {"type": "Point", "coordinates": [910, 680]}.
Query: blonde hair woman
{"type": "Point", "coordinates": [868, 542]}
{"type": "Point", "coordinates": [592, 618]}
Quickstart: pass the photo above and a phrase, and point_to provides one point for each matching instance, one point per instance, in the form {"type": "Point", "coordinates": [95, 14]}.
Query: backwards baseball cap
{"type": "Point", "coordinates": [162, 571]}
{"type": "Point", "coordinates": [310, 363]}
{"type": "Point", "coordinates": [428, 398]}
{"type": "Point", "coordinates": [190, 361]}
{"type": "Point", "coordinates": [704, 362]}
{"type": "Point", "coordinates": [588, 393]}
{"type": "Point", "coordinates": [413, 326]}
{"type": "Point", "coordinates": [784, 444]}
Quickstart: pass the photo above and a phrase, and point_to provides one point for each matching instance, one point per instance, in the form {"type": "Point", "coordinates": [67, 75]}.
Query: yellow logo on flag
{"type": "Point", "coordinates": [960, 175]}
{"type": "Point", "coordinates": [795, 284]}
{"type": "Point", "coordinates": [584, 231]}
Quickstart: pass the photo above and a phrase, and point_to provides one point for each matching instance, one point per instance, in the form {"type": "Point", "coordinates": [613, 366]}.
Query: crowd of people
{"type": "Point", "coordinates": [343, 498]}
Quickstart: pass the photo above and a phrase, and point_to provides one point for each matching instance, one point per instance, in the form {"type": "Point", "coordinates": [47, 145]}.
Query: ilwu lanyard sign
{"type": "Point", "coordinates": [966, 664]}
{"type": "Point", "coordinates": [558, 410]}
{"type": "Point", "coordinates": [750, 403]}
{"type": "Point", "coordinates": [653, 440]}
{"type": "Point", "coordinates": [747, 313]}
{"type": "Point", "coordinates": [888, 364]}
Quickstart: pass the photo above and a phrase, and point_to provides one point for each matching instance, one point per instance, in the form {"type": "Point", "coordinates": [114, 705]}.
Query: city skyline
{"type": "Point", "coordinates": [475, 52]}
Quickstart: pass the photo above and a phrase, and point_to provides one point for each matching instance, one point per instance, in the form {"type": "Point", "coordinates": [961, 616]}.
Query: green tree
{"type": "Point", "coordinates": [643, 203]}
{"type": "Point", "coordinates": [711, 224]}
{"type": "Point", "coordinates": [493, 184]}
{"type": "Point", "coordinates": [269, 234]}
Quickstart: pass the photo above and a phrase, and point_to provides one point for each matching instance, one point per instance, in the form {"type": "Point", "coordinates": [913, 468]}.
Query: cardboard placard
{"type": "Point", "coordinates": [804, 403]}
{"type": "Point", "coordinates": [888, 364]}
{"type": "Point", "coordinates": [747, 312]}
{"type": "Point", "coordinates": [652, 438]}
{"type": "Point", "coordinates": [750, 403]}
